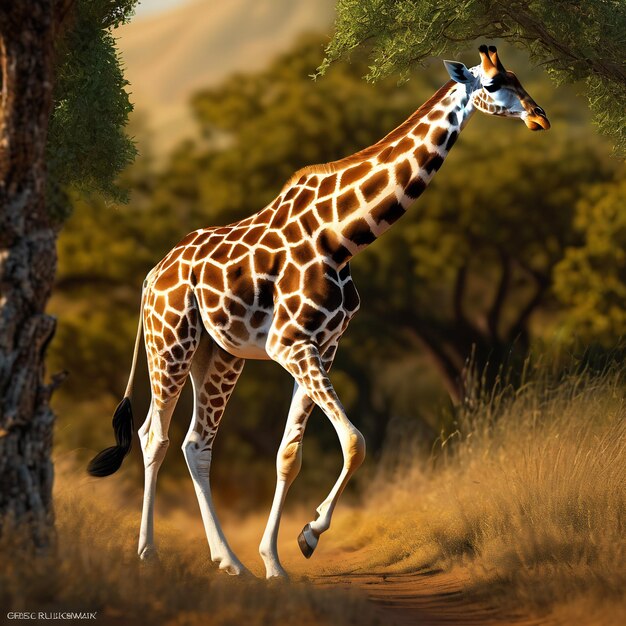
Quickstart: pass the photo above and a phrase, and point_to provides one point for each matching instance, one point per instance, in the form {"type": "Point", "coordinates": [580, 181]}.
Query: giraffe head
{"type": "Point", "coordinates": [496, 91]}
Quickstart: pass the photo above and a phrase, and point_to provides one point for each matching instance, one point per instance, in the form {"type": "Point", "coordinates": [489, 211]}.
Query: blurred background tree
{"type": "Point", "coordinates": [576, 42]}
{"type": "Point", "coordinates": [473, 262]}
{"type": "Point", "coordinates": [590, 279]}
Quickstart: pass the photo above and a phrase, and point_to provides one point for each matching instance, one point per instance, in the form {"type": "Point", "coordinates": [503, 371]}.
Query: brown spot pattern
{"type": "Point", "coordinates": [372, 187]}
{"type": "Point", "coordinates": [355, 173]}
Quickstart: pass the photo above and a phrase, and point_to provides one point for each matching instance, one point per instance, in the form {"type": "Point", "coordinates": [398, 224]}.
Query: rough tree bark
{"type": "Point", "coordinates": [27, 266]}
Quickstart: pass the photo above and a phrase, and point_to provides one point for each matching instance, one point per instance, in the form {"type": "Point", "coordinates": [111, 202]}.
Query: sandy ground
{"type": "Point", "coordinates": [429, 597]}
{"type": "Point", "coordinates": [423, 598]}
{"type": "Point", "coordinates": [419, 594]}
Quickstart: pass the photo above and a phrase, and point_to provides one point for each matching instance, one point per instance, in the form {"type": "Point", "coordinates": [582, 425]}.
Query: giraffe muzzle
{"type": "Point", "coordinates": [537, 120]}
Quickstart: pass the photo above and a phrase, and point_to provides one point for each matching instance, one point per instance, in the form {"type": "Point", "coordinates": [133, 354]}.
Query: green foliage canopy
{"type": "Point", "coordinates": [87, 146]}
{"type": "Point", "coordinates": [575, 41]}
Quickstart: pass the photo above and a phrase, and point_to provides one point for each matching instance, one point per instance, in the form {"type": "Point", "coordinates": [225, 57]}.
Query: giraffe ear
{"type": "Point", "coordinates": [458, 72]}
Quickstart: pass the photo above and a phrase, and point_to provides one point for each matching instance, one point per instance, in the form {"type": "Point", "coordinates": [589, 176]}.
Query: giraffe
{"type": "Point", "coordinates": [277, 286]}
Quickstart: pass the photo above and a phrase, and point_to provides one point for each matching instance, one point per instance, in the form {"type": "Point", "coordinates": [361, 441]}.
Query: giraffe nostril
{"type": "Point", "coordinates": [539, 111]}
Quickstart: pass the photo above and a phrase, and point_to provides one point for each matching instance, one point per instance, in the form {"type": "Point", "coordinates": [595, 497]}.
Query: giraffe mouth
{"type": "Point", "coordinates": [537, 122]}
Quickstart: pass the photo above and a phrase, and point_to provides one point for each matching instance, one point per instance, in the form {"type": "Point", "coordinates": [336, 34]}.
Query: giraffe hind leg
{"type": "Point", "coordinates": [168, 366]}
{"type": "Point", "coordinates": [214, 373]}
{"type": "Point", "coordinates": [154, 444]}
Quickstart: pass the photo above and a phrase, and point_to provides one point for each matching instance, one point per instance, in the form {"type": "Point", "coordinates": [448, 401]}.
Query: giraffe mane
{"type": "Point", "coordinates": [400, 131]}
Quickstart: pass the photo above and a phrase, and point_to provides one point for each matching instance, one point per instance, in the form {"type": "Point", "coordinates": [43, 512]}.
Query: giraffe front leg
{"type": "Point", "coordinates": [288, 463]}
{"type": "Point", "coordinates": [353, 449]}
{"type": "Point", "coordinates": [303, 361]}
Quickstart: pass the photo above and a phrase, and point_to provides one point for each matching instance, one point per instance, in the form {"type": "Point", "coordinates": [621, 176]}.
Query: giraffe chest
{"type": "Point", "coordinates": [313, 305]}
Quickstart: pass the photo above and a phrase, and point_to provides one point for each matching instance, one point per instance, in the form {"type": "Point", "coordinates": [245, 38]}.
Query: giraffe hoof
{"type": "Point", "coordinates": [149, 555]}
{"type": "Point", "coordinates": [277, 575]}
{"type": "Point", "coordinates": [307, 541]}
{"type": "Point", "coordinates": [233, 569]}
{"type": "Point", "coordinates": [231, 566]}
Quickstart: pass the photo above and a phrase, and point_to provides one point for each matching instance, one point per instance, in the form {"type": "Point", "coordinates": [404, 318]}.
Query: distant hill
{"type": "Point", "coordinates": [170, 55]}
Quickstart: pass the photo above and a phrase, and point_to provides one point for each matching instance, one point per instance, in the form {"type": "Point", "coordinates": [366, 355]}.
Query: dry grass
{"type": "Point", "coordinates": [96, 569]}
{"type": "Point", "coordinates": [529, 495]}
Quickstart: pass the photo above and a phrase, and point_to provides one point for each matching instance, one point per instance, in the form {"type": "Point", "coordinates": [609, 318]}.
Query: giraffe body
{"type": "Point", "coordinates": [277, 285]}
{"type": "Point", "coordinates": [237, 290]}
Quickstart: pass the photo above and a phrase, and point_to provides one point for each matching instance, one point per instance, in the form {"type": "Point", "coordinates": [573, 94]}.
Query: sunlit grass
{"type": "Point", "coordinates": [526, 501]}
{"type": "Point", "coordinates": [529, 495]}
{"type": "Point", "coordinates": [95, 568]}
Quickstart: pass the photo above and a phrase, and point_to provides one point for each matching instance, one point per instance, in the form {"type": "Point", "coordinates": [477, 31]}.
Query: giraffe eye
{"type": "Point", "coordinates": [495, 84]}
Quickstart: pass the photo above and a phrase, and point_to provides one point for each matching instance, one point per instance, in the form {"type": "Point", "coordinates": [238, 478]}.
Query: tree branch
{"type": "Point", "coordinates": [519, 330]}
{"type": "Point", "coordinates": [459, 291]}
{"type": "Point", "coordinates": [495, 312]}
{"type": "Point", "coordinates": [451, 376]}
{"type": "Point", "coordinates": [602, 67]}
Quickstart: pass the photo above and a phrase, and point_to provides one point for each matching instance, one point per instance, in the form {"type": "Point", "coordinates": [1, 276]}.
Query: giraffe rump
{"type": "Point", "coordinates": [109, 460]}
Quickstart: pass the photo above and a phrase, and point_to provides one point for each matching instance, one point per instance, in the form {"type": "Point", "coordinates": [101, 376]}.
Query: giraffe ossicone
{"type": "Point", "coordinates": [277, 285]}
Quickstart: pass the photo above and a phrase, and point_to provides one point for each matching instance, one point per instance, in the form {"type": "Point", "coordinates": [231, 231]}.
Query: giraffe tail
{"type": "Point", "coordinates": [110, 460]}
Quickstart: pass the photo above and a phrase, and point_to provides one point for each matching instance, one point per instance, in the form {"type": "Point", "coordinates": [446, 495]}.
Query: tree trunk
{"type": "Point", "coordinates": [27, 267]}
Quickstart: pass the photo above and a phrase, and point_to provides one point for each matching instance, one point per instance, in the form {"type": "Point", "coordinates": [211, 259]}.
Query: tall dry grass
{"type": "Point", "coordinates": [528, 495]}
{"type": "Point", "coordinates": [95, 568]}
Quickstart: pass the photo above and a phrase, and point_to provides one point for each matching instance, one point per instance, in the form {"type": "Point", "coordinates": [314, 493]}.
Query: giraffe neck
{"type": "Point", "coordinates": [377, 185]}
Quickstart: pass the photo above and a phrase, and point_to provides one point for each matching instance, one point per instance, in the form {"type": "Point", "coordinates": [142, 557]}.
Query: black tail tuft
{"type": "Point", "coordinates": [109, 461]}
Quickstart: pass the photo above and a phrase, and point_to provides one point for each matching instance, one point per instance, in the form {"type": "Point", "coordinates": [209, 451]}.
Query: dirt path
{"type": "Point", "coordinates": [426, 598]}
